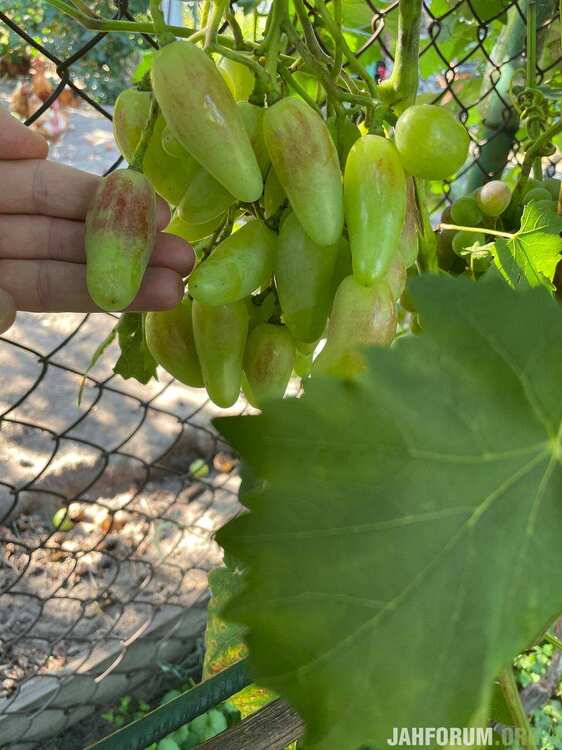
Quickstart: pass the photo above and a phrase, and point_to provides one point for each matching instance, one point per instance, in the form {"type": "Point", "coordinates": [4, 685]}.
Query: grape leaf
{"type": "Point", "coordinates": [224, 644]}
{"type": "Point", "coordinates": [403, 539]}
{"type": "Point", "coordinates": [135, 360]}
{"type": "Point", "coordinates": [534, 251]}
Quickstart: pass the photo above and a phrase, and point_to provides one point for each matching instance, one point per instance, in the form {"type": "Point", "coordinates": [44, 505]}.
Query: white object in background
{"type": "Point", "coordinates": [173, 12]}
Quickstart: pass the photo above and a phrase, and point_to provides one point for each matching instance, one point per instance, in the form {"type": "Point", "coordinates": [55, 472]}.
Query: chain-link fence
{"type": "Point", "coordinates": [107, 607]}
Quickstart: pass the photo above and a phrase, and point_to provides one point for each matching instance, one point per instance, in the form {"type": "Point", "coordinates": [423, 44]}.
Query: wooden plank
{"type": "Point", "coordinates": [272, 728]}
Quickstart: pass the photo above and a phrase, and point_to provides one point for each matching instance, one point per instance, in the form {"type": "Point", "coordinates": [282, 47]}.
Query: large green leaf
{"type": "Point", "coordinates": [404, 539]}
{"type": "Point", "coordinates": [534, 251]}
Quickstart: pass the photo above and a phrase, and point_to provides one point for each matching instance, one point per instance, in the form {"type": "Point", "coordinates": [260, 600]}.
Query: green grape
{"type": "Point", "coordinates": [261, 308]}
{"type": "Point", "coordinates": [252, 117]}
{"type": "Point", "coordinates": [304, 273]}
{"type": "Point", "coordinates": [493, 198]}
{"type": "Point", "coordinates": [408, 245]}
{"type": "Point", "coordinates": [396, 276]}
{"type": "Point", "coordinates": [239, 78]}
{"type": "Point", "coordinates": [545, 206]}
{"type": "Point", "coordinates": [303, 363]}
{"type": "Point", "coordinates": [193, 232]}
{"type": "Point", "coordinates": [463, 240]}
{"type": "Point", "coordinates": [466, 212]}
{"type": "Point", "coordinates": [537, 194]}
{"type": "Point", "coordinates": [431, 142]}
{"type": "Point", "coordinates": [361, 316]}
{"type": "Point", "coordinates": [268, 363]}
{"type": "Point", "coordinates": [274, 196]}
{"type": "Point", "coordinates": [169, 337]}
{"type": "Point", "coordinates": [62, 521]}
{"type": "Point", "coordinates": [531, 184]}
{"type": "Point", "coordinates": [204, 199]}
{"type": "Point", "coordinates": [220, 333]}
{"type": "Point", "coordinates": [172, 146]}
{"type": "Point", "coordinates": [238, 266]}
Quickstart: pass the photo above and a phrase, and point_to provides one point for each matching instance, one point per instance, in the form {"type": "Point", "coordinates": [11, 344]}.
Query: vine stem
{"type": "Point", "coordinates": [164, 36]}
{"type": "Point", "coordinates": [477, 230]}
{"type": "Point", "coordinates": [531, 50]}
{"type": "Point", "coordinates": [130, 27]}
{"type": "Point", "coordinates": [82, 6]}
{"type": "Point", "coordinates": [217, 13]}
{"type": "Point", "coordinates": [428, 240]}
{"type": "Point", "coordinates": [348, 53]}
{"type": "Point", "coordinates": [137, 161]}
{"type": "Point", "coordinates": [511, 694]}
{"type": "Point", "coordinates": [401, 88]}
{"type": "Point", "coordinates": [535, 150]}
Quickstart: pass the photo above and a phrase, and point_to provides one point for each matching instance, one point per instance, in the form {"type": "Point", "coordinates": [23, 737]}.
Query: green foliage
{"type": "Point", "coordinates": [104, 71]}
{"type": "Point", "coordinates": [135, 360]}
{"type": "Point", "coordinates": [446, 461]}
{"type": "Point", "coordinates": [533, 253]}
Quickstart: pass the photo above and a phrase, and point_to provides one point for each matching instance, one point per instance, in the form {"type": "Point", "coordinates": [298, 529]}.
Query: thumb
{"type": "Point", "coordinates": [7, 311]}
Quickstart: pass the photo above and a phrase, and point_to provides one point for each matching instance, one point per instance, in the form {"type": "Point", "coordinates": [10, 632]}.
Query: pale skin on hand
{"type": "Point", "coordinates": [42, 210]}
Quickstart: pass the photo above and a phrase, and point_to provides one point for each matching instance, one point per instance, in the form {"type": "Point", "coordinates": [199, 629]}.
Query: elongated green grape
{"type": "Point", "coordinates": [204, 199]}
{"type": "Point", "coordinates": [306, 162]}
{"type": "Point", "coordinates": [343, 266]}
{"type": "Point", "coordinates": [202, 114]}
{"type": "Point", "coordinates": [172, 146]}
{"type": "Point", "coordinates": [238, 266]}
{"type": "Point", "coordinates": [193, 232]}
{"type": "Point", "coordinates": [361, 316]}
{"type": "Point", "coordinates": [220, 333]}
{"type": "Point", "coordinates": [375, 206]}
{"type": "Point", "coordinates": [396, 276]}
{"type": "Point", "coordinates": [169, 337]}
{"type": "Point", "coordinates": [409, 239]}
{"type": "Point", "coordinates": [274, 196]}
{"type": "Point", "coordinates": [169, 175]}
{"type": "Point", "coordinates": [268, 363]}
{"type": "Point", "coordinates": [261, 309]}
{"type": "Point", "coordinates": [466, 211]}
{"type": "Point", "coordinates": [304, 273]}
{"type": "Point", "coordinates": [252, 117]}
{"type": "Point", "coordinates": [344, 133]}
{"type": "Point", "coordinates": [240, 78]}
{"type": "Point", "coordinates": [119, 238]}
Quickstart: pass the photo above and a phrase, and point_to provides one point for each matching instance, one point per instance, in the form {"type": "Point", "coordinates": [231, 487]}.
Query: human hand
{"type": "Point", "coordinates": [42, 259]}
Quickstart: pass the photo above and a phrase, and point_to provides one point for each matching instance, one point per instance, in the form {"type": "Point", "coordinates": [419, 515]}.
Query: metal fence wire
{"type": "Point", "coordinates": [116, 603]}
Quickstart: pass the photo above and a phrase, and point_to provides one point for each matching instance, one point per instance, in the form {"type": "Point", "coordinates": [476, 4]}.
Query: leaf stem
{"type": "Point", "coordinates": [401, 88]}
{"type": "Point", "coordinates": [477, 230]}
{"type": "Point", "coordinates": [511, 694]}
{"type": "Point", "coordinates": [428, 240]}
{"type": "Point", "coordinates": [137, 161]}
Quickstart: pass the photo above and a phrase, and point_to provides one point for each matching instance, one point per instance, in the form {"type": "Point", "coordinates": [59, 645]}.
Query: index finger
{"type": "Point", "coordinates": [19, 142]}
{"type": "Point", "coordinates": [44, 187]}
